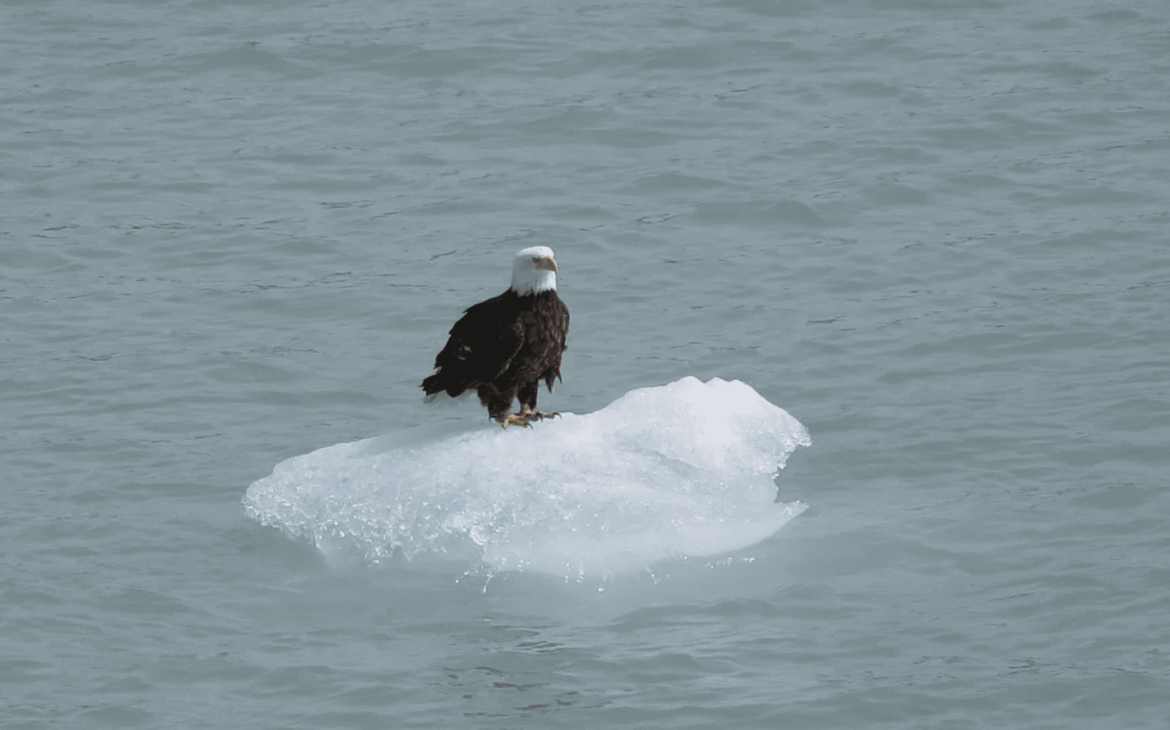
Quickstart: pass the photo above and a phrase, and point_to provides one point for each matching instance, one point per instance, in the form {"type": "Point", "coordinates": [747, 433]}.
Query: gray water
{"type": "Point", "coordinates": [934, 232]}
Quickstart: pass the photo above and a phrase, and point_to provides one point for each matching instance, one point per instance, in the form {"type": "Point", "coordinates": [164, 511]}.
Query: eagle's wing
{"type": "Point", "coordinates": [483, 344]}
{"type": "Point", "coordinates": [562, 330]}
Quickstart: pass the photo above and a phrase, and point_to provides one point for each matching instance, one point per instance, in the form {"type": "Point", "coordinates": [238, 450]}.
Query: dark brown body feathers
{"type": "Point", "coordinates": [502, 348]}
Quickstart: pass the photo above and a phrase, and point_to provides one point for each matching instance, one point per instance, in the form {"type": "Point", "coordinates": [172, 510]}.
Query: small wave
{"type": "Point", "coordinates": [684, 469]}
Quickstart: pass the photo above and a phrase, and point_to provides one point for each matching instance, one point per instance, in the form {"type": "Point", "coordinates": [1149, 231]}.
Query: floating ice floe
{"type": "Point", "coordinates": [681, 470]}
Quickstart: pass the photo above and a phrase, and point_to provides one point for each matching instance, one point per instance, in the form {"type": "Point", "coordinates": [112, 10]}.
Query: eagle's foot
{"type": "Point", "coordinates": [531, 415]}
{"type": "Point", "coordinates": [515, 419]}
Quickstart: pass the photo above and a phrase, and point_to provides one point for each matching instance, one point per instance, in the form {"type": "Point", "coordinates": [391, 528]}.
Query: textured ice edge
{"type": "Point", "coordinates": [684, 469]}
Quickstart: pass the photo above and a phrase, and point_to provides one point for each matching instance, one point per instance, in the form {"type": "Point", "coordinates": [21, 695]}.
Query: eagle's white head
{"type": "Point", "coordinates": [534, 270]}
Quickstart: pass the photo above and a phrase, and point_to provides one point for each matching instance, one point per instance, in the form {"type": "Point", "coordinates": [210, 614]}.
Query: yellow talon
{"type": "Point", "coordinates": [512, 419]}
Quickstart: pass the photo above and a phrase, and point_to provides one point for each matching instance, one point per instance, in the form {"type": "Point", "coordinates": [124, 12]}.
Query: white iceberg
{"type": "Point", "coordinates": [680, 470]}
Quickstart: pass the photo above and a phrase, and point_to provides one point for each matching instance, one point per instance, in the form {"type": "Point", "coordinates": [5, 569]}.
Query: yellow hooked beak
{"type": "Point", "coordinates": [545, 263]}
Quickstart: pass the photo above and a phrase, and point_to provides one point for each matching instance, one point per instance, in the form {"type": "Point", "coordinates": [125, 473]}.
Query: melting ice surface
{"type": "Point", "coordinates": [684, 469]}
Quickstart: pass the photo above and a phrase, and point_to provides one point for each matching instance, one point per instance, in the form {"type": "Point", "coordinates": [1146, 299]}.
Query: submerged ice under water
{"type": "Point", "coordinates": [684, 469]}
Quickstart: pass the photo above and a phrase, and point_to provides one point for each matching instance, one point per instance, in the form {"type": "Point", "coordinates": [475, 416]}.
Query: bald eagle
{"type": "Point", "coordinates": [504, 346]}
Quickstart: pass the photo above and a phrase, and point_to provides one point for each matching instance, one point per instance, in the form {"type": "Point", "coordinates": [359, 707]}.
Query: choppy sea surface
{"type": "Point", "coordinates": [233, 236]}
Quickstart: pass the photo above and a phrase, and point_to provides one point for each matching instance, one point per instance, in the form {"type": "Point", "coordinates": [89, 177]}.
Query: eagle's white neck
{"type": "Point", "coordinates": [533, 281]}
